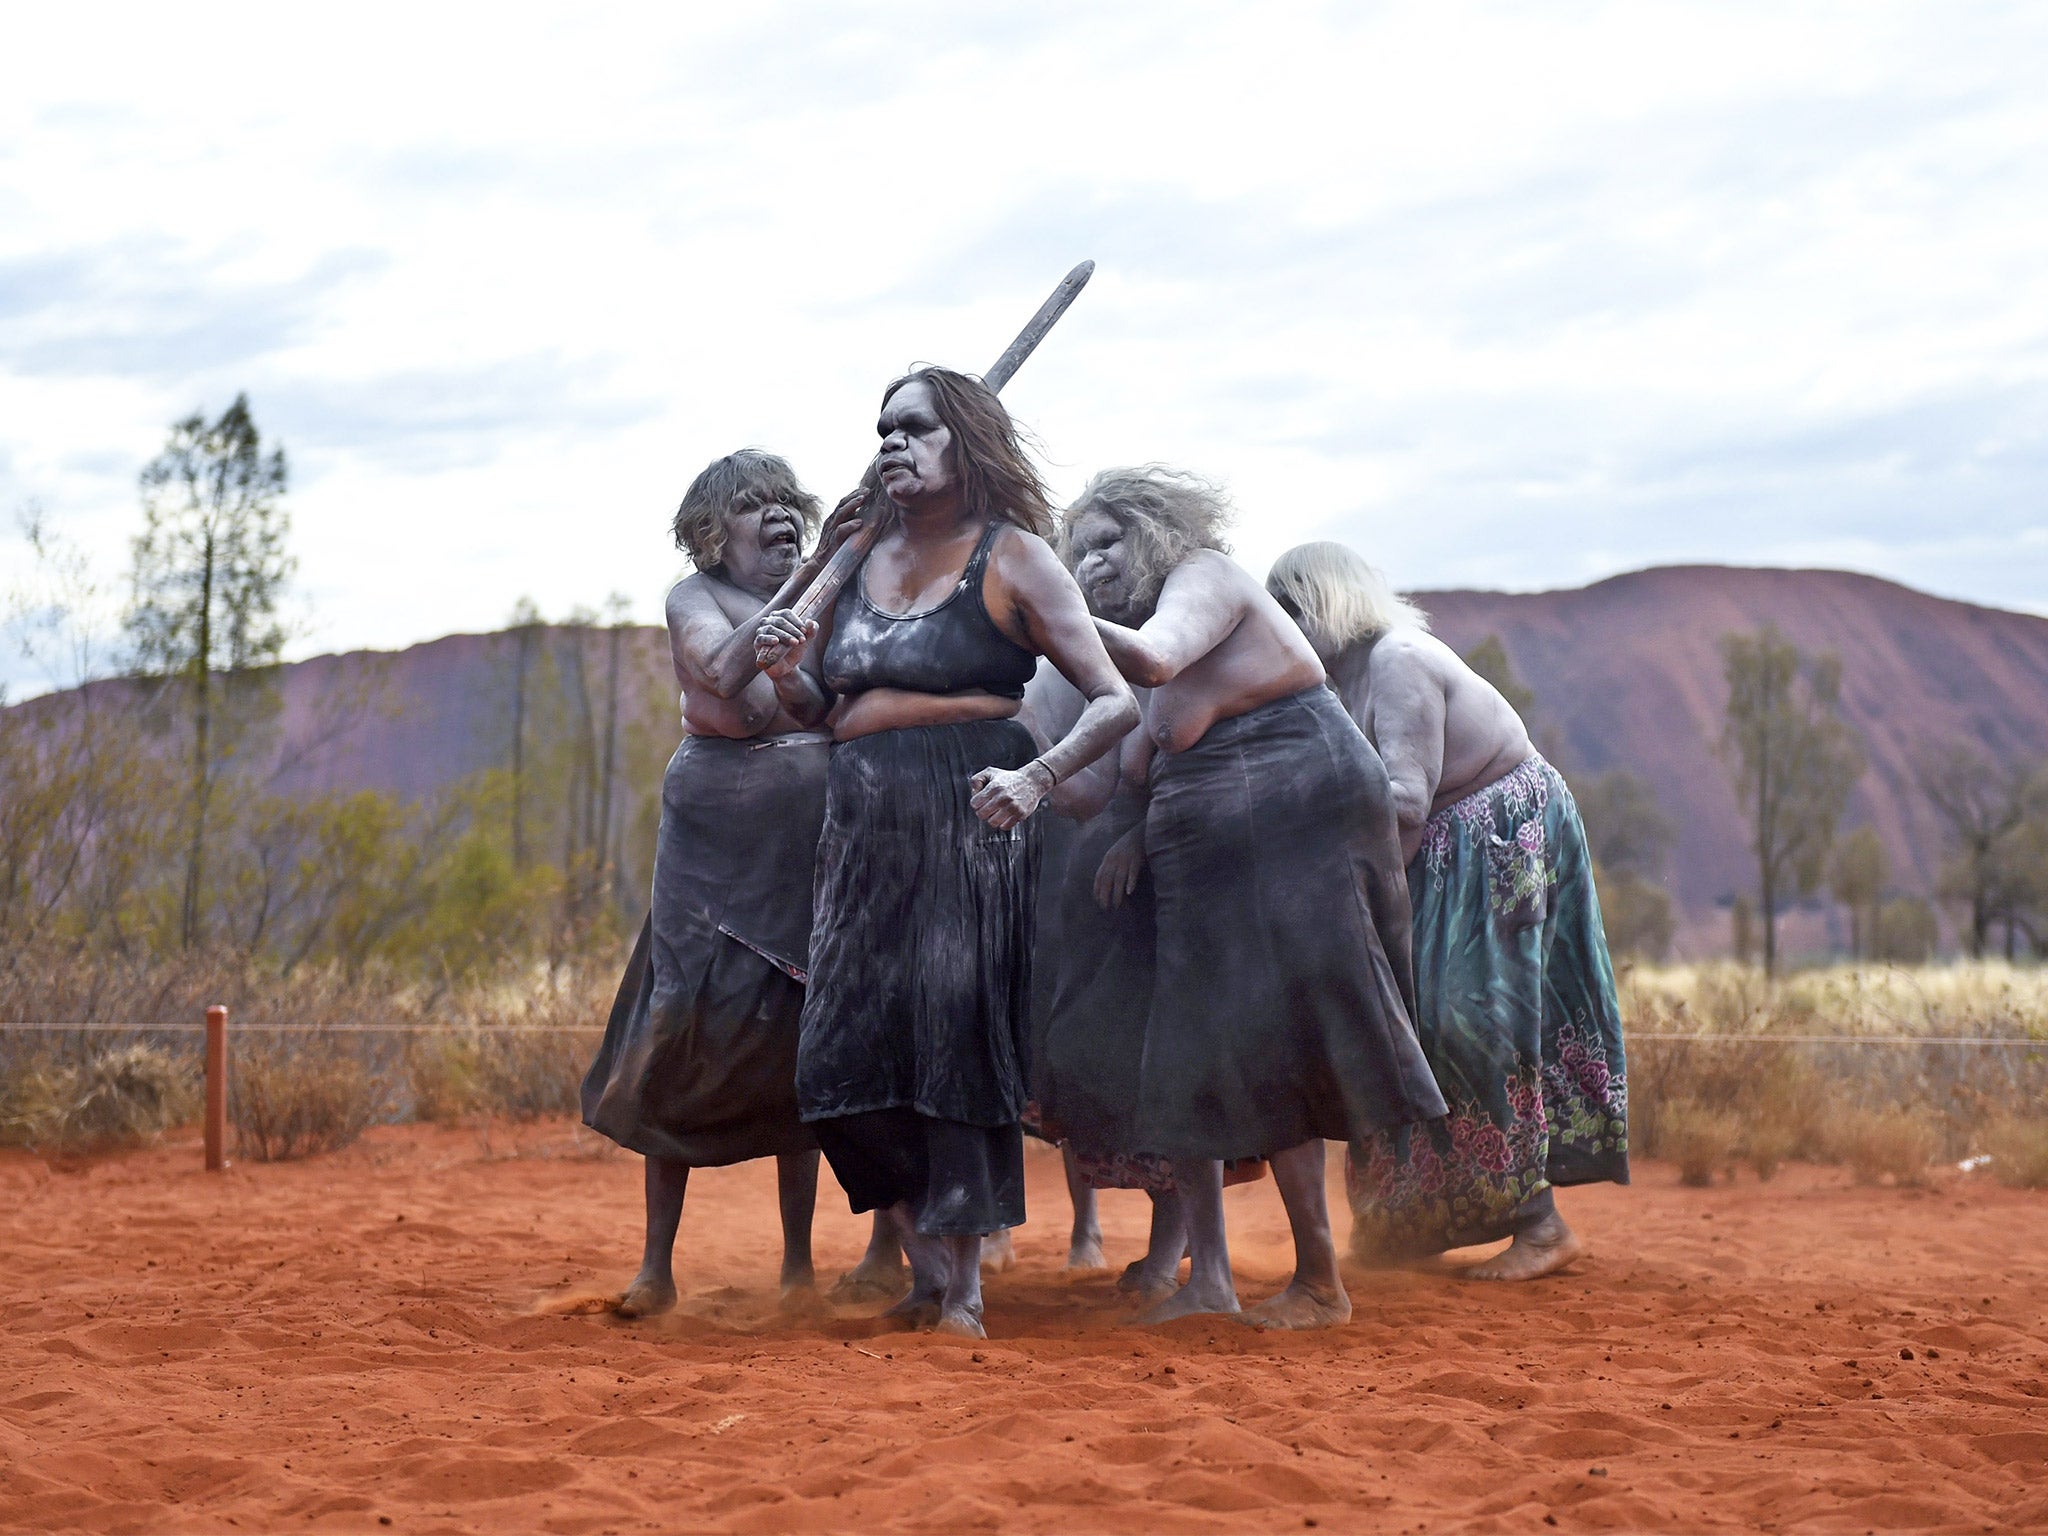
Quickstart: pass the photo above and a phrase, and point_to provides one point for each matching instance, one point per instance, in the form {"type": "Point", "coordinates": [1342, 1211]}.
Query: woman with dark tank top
{"type": "Point", "coordinates": [912, 1056]}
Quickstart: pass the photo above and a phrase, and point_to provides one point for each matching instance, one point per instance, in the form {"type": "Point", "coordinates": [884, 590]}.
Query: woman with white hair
{"type": "Point", "coordinates": [1515, 1001]}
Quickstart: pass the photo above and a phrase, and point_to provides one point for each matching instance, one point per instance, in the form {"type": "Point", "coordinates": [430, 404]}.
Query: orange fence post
{"type": "Point", "coordinates": [216, 1089]}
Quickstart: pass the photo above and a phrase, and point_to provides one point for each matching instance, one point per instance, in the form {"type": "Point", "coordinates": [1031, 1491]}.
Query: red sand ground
{"type": "Point", "coordinates": [367, 1338]}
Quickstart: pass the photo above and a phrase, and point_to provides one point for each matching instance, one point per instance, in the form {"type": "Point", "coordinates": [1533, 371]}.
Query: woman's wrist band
{"type": "Point", "coordinates": [1052, 778]}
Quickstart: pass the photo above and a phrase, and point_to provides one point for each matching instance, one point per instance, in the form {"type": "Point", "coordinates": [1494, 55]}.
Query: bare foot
{"type": "Point", "coordinates": [998, 1254]}
{"type": "Point", "coordinates": [1188, 1301]}
{"type": "Point", "coordinates": [961, 1322]}
{"type": "Point", "coordinates": [1301, 1306]}
{"type": "Point", "coordinates": [869, 1281]}
{"type": "Point", "coordinates": [1143, 1282]}
{"type": "Point", "coordinates": [1543, 1249]}
{"type": "Point", "coordinates": [648, 1296]}
{"type": "Point", "coordinates": [915, 1313]}
{"type": "Point", "coordinates": [800, 1298]}
{"type": "Point", "coordinates": [1085, 1252]}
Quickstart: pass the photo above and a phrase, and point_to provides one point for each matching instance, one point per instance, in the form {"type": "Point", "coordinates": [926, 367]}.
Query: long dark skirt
{"type": "Point", "coordinates": [1282, 998]}
{"type": "Point", "coordinates": [920, 978]}
{"type": "Point", "coordinates": [1094, 1039]}
{"type": "Point", "coordinates": [1057, 839]}
{"type": "Point", "coordinates": [698, 1061]}
{"type": "Point", "coordinates": [1519, 1020]}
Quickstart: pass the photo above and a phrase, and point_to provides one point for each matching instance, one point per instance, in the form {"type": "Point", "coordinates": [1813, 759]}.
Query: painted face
{"type": "Point", "coordinates": [916, 457]}
{"type": "Point", "coordinates": [763, 540]}
{"type": "Point", "coordinates": [1102, 565]}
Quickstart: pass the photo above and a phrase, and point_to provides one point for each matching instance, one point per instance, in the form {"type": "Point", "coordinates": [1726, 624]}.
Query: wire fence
{"type": "Point", "coordinates": [2010, 1041]}
{"type": "Point", "coordinates": [314, 1029]}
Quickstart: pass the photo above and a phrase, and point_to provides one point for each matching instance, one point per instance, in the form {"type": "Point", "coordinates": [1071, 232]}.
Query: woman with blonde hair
{"type": "Point", "coordinates": [1515, 1001]}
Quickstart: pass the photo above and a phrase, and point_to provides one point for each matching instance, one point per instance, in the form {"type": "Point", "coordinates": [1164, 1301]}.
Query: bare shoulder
{"type": "Point", "coordinates": [687, 598]}
{"type": "Point", "coordinates": [1212, 573]}
{"type": "Point", "coordinates": [1409, 658]}
{"type": "Point", "coordinates": [699, 600]}
{"type": "Point", "coordinates": [1018, 553]}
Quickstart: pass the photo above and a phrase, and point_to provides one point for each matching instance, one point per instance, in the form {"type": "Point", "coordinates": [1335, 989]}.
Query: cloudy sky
{"type": "Point", "coordinates": [1512, 295]}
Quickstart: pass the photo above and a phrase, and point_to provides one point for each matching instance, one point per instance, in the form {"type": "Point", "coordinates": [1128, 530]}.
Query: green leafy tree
{"type": "Point", "coordinates": [1857, 875]}
{"type": "Point", "coordinates": [1489, 658]}
{"type": "Point", "coordinates": [1980, 804]}
{"type": "Point", "coordinates": [1793, 763]}
{"type": "Point", "coordinates": [2023, 875]}
{"type": "Point", "coordinates": [1631, 840]}
{"type": "Point", "coordinates": [1905, 930]}
{"type": "Point", "coordinates": [210, 568]}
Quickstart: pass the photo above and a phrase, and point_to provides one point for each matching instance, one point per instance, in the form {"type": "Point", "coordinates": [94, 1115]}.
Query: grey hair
{"type": "Point", "coordinates": [1166, 514]}
{"type": "Point", "coordinates": [1337, 597]}
{"type": "Point", "coordinates": [738, 482]}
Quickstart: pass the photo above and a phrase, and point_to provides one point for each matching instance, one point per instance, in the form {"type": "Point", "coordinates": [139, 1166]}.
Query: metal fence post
{"type": "Point", "coordinates": [216, 1089]}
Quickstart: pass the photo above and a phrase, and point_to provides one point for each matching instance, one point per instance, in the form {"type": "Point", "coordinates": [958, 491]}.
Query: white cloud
{"type": "Point", "coordinates": [1509, 295]}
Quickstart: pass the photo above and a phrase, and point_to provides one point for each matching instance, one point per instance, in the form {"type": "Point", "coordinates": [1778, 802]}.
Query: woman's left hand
{"type": "Point", "coordinates": [1004, 798]}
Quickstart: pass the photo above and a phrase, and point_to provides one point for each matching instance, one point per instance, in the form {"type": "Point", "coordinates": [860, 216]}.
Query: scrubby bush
{"type": "Point", "coordinates": [1703, 1142]}
{"type": "Point", "coordinates": [1899, 1143]}
{"type": "Point", "coordinates": [2019, 1151]}
{"type": "Point", "coordinates": [112, 1098]}
{"type": "Point", "coordinates": [293, 1095]}
{"type": "Point", "coordinates": [522, 1074]}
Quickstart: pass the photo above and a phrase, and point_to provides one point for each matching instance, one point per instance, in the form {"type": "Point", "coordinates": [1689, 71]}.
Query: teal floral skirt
{"type": "Point", "coordinates": [1517, 1015]}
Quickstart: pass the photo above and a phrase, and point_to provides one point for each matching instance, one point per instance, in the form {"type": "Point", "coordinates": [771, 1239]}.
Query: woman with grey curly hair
{"type": "Point", "coordinates": [698, 1064]}
{"type": "Point", "coordinates": [1166, 515]}
{"type": "Point", "coordinates": [1279, 1005]}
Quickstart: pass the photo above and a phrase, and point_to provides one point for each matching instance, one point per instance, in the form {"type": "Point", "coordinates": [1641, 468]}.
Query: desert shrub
{"type": "Point", "coordinates": [523, 1074]}
{"type": "Point", "coordinates": [1732, 1059]}
{"type": "Point", "coordinates": [1786, 1106]}
{"type": "Point", "coordinates": [2019, 1151]}
{"type": "Point", "coordinates": [112, 1097]}
{"type": "Point", "coordinates": [293, 1095]}
{"type": "Point", "coordinates": [130, 1093]}
{"type": "Point", "coordinates": [1703, 1141]}
{"type": "Point", "coordinates": [526, 1074]}
{"type": "Point", "coordinates": [441, 1071]}
{"type": "Point", "coordinates": [1877, 1142]}
{"type": "Point", "coordinates": [1765, 1146]}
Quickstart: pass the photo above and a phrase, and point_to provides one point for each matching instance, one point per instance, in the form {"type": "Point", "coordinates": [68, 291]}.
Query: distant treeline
{"type": "Point", "coordinates": [1792, 763]}
{"type": "Point", "coordinates": [140, 809]}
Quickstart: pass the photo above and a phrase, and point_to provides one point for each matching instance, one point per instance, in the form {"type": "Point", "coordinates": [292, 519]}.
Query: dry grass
{"type": "Point", "coordinates": [110, 1096]}
{"type": "Point", "coordinates": [1733, 1091]}
{"type": "Point", "coordinates": [1888, 1110]}
{"type": "Point", "coordinates": [1898, 1144]}
{"type": "Point", "coordinates": [513, 1046]}
{"type": "Point", "coordinates": [2019, 1151]}
{"type": "Point", "coordinates": [1703, 1142]}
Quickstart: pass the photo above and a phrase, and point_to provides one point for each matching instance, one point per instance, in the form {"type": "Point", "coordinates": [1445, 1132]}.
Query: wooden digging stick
{"type": "Point", "coordinates": [847, 557]}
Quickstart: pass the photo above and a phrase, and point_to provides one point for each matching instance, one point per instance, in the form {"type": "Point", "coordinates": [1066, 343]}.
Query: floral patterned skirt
{"type": "Point", "coordinates": [1517, 1014]}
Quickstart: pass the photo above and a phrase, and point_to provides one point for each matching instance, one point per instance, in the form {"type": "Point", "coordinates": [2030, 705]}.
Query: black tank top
{"type": "Point", "coordinates": [948, 648]}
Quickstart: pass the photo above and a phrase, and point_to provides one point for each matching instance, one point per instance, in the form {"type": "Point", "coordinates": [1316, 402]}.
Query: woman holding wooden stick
{"type": "Point", "coordinates": [911, 1062]}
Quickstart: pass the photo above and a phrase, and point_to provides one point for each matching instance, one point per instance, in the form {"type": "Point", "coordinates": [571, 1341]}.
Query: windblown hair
{"type": "Point", "coordinates": [997, 480]}
{"type": "Point", "coordinates": [737, 483]}
{"type": "Point", "coordinates": [1166, 514]}
{"type": "Point", "coordinates": [1336, 596]}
